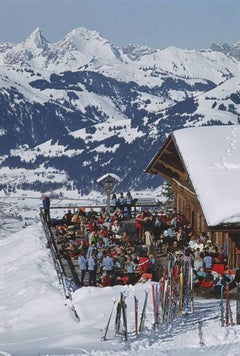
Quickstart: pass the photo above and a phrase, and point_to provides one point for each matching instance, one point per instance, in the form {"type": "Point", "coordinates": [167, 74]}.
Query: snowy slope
{"type": "Point", "coordinates": [36, 318]}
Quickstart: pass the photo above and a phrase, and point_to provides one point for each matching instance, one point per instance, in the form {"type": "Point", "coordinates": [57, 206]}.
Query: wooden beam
{"type": "Point", "coordinates": [173, 169]}
{"type": "Point", "coordinates": [184, 186]}
{"type": "Point", "coordinates": [161, 169]}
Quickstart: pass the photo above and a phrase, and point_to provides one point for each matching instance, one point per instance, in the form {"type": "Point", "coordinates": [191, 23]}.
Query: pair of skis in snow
{"type": "Point", "coordinates": [186, 295]}
{"type": "Point", "coordinates": [120, 314]}
{"type": "Point", "coordinates": [140, 327]}
{"type": "Point", "coordinates": [226, 315]}
{"type": "Point", "coordinates": [121, 317]}
{"type": "Point", "coordinates": [143, 314]}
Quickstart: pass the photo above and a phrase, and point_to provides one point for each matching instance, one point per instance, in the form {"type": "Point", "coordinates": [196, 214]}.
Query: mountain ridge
{"type": "Point", "coordinates": [82, 107]}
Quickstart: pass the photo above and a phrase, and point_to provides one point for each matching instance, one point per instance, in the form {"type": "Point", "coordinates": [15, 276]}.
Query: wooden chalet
{"type": "Point", "coordinates": [203, 167]}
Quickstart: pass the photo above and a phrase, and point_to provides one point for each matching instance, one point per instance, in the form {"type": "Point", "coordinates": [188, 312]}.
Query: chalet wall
{"type": "Point", "coordinates": [187, 204]}
{"type": "Point", "coordinates": [234, 248]}
{"type": "Point", "coordinates": [233, 245]}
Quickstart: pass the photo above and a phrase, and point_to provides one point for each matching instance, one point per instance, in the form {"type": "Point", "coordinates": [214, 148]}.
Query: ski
{"type": "Point", "coordinates": [157, 302]}
{"type": "Point", "coordinates": [186, 280]}
{"type": "Point", "coordinates": [165, 300]}
{"type": "Point", "coordinates": [143, 314]}
{"type": "Point", "coordinates": [200, 333]}
{"type": "Point", "coordinates": [169, 301]}
{"type": "Point", "coordinates": [231, 316]}
{"type": "Point", "coordinates": [73, 309]}
{"type": "Point", "coordinates": [124, 314]}
{"type": "Point", "coordinates": [191, 289]}
{"type": "Point", "coordinates": [238, 304]}
{"type": "Point", "coordinates": [161, 292]}
{"type": "Point", "coordinates": [154, 304]}
{"type": "Point", "coordinates": [170, 291]}
{"type": "Point", "coordinates": [222, 307]}
{"type": "Point", "coordinates": [136, 314]}
{"type": "Point", "coordinates": [180, 293]}
{"type": "Point", "coordinates": [155, 299]}
{"type": "Point", "coordinates": [104, 338]}
{"type": "Point", "coordinates": [227, 304]}
{"type": "Point", "coordinates": [118, 316]}
{"type": "Point", "coordinates": [175, 291]}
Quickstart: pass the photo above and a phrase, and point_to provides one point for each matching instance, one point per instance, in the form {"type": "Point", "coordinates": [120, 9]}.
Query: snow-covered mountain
{"type": "Point", "coordinates": [78, 108]}
{"type": "Point", "coordinates": [233, 51]}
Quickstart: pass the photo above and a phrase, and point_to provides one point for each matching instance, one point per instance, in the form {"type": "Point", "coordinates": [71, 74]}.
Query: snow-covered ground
{"type": "Point", "coordinates": [36, 318]}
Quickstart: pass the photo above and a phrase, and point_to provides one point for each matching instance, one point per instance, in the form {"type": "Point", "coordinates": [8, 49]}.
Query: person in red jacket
{"type": "Point", "coordinates": [144, 265]}
{"type": "Point", "coordinates": [139, 223]}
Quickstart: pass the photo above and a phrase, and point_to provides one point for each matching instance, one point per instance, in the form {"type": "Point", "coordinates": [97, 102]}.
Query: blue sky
{"type": "Point", "coordinates": [155, 23]}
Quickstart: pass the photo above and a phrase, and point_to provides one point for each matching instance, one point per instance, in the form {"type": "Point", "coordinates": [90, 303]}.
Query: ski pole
{"type": "Point", "coordinates": [104, 338]}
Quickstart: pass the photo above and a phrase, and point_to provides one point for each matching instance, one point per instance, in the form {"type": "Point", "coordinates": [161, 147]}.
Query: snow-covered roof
{"type": "Point", "coordinates": [109, 175]}
{"type": "Point", "coordinates": [211, 155]}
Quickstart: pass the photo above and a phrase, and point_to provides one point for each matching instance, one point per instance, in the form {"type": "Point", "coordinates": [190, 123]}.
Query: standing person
{"type": "Point", "coordinates": [130, 268]}
{"type": "Point", "coordinates": [107, 263]}
{"type": "Point", "coordinates": [92, 268]}
{"type": "Point", "coordinates": [144, 265]}
{"type": "Point", "coordinates": [121, 202]}
{"type": "Point", "coordinates": [113, 203]}
{"type": "Point", "coordinates": [157, 227]}
{"type": "Point", "coordinates": [149, 240]}
{"type": "Point", "coordinates": [92, 248]}
{"type": "Point", "coordinates": [129, 204]}
{"type": "Point", "coordinates": [82, 262]}
{"type": "Point", "coordinates": [139, 223]}
{"type": "Point", "coordinates": [46, 208]}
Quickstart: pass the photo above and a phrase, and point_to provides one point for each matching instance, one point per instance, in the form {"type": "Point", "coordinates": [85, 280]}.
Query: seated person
{"type": "Point", "coordinates": [220, 283]}
{"type": "Point", "coordinates": [67, 218]}
{"type": "Point", "coordinates": [207, 261]}
{"type": "Point", "coordinates": [198, 262]}
{"type": "Point", "coordinates": [105, 281]}
{"type": "Point", "coordinates": [199, 275]}
{"type": "Point", "coordinates": [145, 277]}
{"type": "Point", "coordinates": [235, 280]}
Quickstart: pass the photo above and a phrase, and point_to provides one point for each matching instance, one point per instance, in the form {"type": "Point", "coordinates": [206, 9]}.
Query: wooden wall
{"type": "Point", "coordinates": [187, 204]}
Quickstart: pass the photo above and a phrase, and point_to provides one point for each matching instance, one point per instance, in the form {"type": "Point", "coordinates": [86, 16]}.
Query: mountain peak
{"type": "Point", "coordinates": [84, 33]}
{"type": "Point", "coordinates": [79, 36]}
{"type": "Point", "coordinates": [36, 39]}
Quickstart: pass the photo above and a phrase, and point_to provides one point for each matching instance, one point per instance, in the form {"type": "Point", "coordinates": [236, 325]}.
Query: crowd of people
{"type": "Point", "coordinates": [173, 231]}
{"type": "Point", "coordinates": [103, 247]}
{"type": "Point", "coordinates": [123, 204]}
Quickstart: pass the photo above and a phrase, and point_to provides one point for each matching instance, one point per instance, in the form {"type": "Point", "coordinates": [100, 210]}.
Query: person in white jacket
{"type": "Point", "coordinates": [149, 240]}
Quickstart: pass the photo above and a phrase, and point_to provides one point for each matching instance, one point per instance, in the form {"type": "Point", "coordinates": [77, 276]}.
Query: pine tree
{"type": "Point", "coordinates": [167, 192]}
